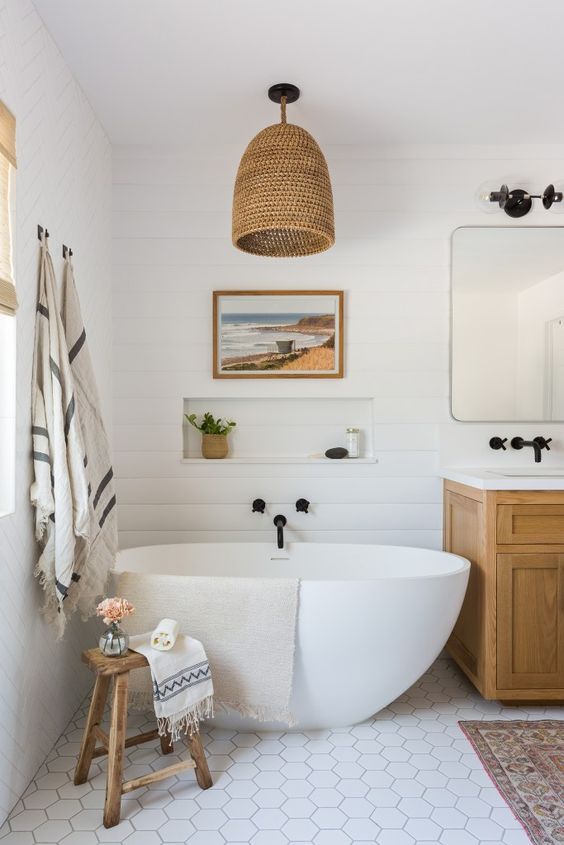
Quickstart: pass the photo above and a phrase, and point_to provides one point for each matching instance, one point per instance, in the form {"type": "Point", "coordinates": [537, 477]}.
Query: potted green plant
{"type": "Point", "coordinates": [214, 434]}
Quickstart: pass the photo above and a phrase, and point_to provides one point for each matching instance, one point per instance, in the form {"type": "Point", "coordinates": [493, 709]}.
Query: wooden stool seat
{"type": "Point", "coordinates": [114, 743]}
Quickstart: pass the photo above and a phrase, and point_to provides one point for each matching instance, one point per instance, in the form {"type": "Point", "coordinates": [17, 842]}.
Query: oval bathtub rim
{"type": "Point", "coordinates": [464, 566]}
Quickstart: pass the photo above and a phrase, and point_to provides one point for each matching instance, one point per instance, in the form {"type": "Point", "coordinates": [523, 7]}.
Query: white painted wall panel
{"type": "Point", "coordinates": [382, 252]}
{"type": "Point", "coordinates": [357, 490]}
{"type": "Point", "coordinates": [63, 182]}
{"type": "Point", "coordinates": [323, 517]}
{"type": "Point", "coordinates": [395, 209]}
{"type": "Point", "coordinates": [427, 360]}
{"type": "Point", "coordinates": [428, 539]}
{"type": "Point", "coordinates": [165, 465]}
{"type": "Point", "coordinates": [170, 277]}
{"type": "Point", "coordinates": [348, 165]}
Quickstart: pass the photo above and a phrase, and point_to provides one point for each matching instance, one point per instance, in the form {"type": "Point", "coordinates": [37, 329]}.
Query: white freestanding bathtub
{"type": "Point", "coordinates": [371, 619]}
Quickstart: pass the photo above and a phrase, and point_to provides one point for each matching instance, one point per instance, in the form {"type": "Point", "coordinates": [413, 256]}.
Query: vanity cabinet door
{"type": "Point", "coordinates": [530, 621]}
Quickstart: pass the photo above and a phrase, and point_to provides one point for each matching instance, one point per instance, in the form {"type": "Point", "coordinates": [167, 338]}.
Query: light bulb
{"type": "Point", "coordinates": [483, 196]}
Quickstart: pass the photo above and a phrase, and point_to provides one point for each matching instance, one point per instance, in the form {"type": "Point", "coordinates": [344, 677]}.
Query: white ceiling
{"type": "Point", "coordinates": [371, 71]}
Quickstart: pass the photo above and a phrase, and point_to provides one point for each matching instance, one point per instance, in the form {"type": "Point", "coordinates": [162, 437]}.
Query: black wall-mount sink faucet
{"type": "Point", "coordinates": [280, 521]}
{"type": "Point", "coordinates": [537, 444]}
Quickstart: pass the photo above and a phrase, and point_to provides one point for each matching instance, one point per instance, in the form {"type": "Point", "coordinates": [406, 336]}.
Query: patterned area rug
{"type": "Point", "coordinates": [525, 760]}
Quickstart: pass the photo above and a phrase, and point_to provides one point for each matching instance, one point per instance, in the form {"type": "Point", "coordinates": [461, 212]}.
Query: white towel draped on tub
{"type": "Point", "coordinates": [93, 564]}
{"type": "Point", "coordinates": [60, 489]}
{"type": "Point", "coordinates": [247, 626]}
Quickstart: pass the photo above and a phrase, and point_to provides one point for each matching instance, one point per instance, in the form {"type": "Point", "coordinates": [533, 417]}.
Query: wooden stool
{"type": "Point", "coordinates": [114, 744]}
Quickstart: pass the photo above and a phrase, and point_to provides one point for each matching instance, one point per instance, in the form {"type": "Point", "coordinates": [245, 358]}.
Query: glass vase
{"type": "Point", "coordinates": [114, 642]}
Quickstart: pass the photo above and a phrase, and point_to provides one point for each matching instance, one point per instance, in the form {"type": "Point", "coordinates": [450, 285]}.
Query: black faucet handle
{"type": "Point", "coordinates": [302, 505]}
{"type": "Point", "coordinates": [259, 506]}
{"type": "Point", "coordinates": [543, 442]}
{"type": "Point", "coordinates": [498, 443]}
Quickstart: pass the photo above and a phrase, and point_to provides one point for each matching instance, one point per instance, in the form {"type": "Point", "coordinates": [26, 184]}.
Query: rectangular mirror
{"type": "Point", "coordinates": [508, 324]}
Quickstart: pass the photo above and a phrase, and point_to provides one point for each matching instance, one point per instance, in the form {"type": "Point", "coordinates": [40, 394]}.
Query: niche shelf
{"type": "Point", "coordinates": [290, 459]}
{"type": "Point", "coordinates": [283, 430]}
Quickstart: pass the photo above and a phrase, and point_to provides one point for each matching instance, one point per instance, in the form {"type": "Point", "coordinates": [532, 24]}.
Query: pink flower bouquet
{"type": "Point", "coordinates": [113, 610]}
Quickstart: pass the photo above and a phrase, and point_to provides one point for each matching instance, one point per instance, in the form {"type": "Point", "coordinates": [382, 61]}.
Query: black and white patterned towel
{"type": "Point", "coordinates": [182, 683]}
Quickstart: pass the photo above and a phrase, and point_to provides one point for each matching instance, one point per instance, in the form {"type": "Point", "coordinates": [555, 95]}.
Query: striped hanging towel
{"type": "Point", "coordinates": [94, 562]}
{"type": "Point", "coordinates": [60, 488]}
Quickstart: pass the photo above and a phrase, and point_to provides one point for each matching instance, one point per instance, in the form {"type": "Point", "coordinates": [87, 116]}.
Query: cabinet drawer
{"type": "Point", "coordinates": [530, 524]}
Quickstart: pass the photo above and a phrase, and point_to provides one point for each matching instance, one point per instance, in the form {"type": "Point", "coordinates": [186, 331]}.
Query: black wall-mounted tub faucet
{"type": "Point", "coordinates": [537, 444]}
{"type": "Point", "coordinates": [302, 506]}
{"type": "Point", "coordinates": [280, 521]}
{"type": "Point", "coordinates": [259, 506]}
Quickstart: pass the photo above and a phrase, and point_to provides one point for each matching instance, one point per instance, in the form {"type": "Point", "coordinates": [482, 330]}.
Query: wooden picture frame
{"type": "Point", "coordinates": [295, 334]}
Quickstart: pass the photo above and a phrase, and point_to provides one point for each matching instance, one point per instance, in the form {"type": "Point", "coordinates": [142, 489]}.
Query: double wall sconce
{"type": "Point", "coordinates": [517, 202]}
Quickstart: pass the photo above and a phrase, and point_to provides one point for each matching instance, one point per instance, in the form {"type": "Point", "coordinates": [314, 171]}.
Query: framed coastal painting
{"type": "Point", "coordinates": [278, 334]}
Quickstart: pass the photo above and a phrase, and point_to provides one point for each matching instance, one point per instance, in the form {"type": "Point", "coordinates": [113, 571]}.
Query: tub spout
{"type": "Point", "coordinates": [280, 522]}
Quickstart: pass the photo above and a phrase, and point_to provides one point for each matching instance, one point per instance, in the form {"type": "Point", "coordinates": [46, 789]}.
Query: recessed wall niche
{"type": "Point", "coordinates": [283, 430]}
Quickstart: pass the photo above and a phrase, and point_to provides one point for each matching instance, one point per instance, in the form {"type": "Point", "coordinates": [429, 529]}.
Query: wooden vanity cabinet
{"type": "Point", "coordinates": [509, 637]}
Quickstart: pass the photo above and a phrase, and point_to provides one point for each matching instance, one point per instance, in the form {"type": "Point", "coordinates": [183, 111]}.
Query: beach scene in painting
{"type": "Point", "coordinates": [261, 334]}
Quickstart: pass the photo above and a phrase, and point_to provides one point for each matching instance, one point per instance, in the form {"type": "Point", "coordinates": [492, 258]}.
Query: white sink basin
{"type": "Point", "coordinates": [530, 473]}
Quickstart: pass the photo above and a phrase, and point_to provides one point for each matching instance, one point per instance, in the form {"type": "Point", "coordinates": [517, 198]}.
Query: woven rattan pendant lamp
{"type": "Point", "coordinates": [282, 203]}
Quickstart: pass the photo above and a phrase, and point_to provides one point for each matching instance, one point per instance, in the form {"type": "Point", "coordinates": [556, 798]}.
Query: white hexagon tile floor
{"type": "Point", "coordinates": [406, 776]}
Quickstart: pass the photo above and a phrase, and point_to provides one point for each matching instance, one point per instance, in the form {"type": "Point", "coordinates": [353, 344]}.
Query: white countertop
{"type": "Point", "coordinates": [533, 477]}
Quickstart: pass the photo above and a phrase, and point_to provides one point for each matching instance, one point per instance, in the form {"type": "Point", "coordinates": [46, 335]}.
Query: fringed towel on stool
{"type": "Point", "coordinates": [247, 624]}
{"type": "Point", "coordinates": [182, 684]}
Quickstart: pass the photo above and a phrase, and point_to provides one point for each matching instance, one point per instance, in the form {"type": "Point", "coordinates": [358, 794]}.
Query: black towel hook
{"type": "Point", "coordinates": [67, 251]}
{"type": "Point", "coordinates": [40, 231]}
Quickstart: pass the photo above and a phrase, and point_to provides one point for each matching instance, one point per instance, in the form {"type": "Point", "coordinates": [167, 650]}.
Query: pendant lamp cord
{"type": "Point", "coordinates": [283, 109]}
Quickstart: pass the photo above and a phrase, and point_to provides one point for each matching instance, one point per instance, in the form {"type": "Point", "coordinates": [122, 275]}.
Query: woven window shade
{"type": "Point", "coordinates": [7, 134]}
{"type": "Point", "coordinates": [8, 300]}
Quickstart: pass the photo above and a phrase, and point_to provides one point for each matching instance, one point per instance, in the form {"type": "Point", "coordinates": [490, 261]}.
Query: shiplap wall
{"type": "Point", "coordinates": [395, 212]}
{"type": "Point", "coordinates": [63, 182]}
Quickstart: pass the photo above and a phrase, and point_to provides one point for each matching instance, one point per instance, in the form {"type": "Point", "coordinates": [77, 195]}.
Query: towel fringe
{"type": "Point", "coordinates": [142, 700]}
{"type": "Point", "coordinates": [259, 712]}
{"type": "Point", "coordinates": [187, 720]}
{"type": "Point", "coordinates": [51, 608]}
{"type": "Point", "coordinates": [83, 595]}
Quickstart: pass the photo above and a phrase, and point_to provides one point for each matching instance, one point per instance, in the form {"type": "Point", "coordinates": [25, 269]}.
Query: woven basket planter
{"type": "Point", "coordinates": [283, 203]}
{"type": "Point", "coordinates": [215, 446]}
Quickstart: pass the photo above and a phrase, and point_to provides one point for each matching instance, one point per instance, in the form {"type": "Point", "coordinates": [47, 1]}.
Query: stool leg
{"type": "Point", "coordinates": [95, 714]}
{"type": "Point", "coordinates": [198, 756]}
{"type": "Point", "coordinates": [112, 807]}
{"type": "Point", "coordinates": [167, 746]}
